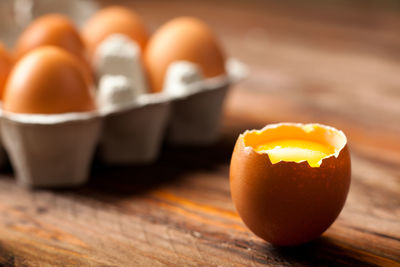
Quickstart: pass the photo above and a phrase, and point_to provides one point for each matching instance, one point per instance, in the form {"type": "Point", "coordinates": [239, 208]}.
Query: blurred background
{"type": "Point", "coordinates": [334, 62]}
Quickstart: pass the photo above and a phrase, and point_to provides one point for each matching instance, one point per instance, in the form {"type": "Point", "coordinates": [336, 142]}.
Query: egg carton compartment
{"type": "Point", "coordinates": [52, 150]}
{"type": "Point", "coordinates": [195, 117]}
{"type": "Point", "coordinates": [134, 134]}
{"type": "Point", "coordinates": [196, 113]}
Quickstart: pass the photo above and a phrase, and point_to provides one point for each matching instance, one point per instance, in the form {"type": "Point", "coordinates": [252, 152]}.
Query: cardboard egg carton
{"type": "Point", "coordinates": [129, 125]}
{"type": "Point", "coordinates": [53, 150]}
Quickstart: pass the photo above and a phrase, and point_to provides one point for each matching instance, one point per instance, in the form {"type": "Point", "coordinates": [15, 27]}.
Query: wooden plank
{"type": "Point", "coordinates": [335, 63]}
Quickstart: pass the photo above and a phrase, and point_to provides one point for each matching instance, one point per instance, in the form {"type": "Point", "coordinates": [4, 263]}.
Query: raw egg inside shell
{"type": "Point", "coordinates": [289, 181]}
{"type": "Point", "coordinates": [296, 150]}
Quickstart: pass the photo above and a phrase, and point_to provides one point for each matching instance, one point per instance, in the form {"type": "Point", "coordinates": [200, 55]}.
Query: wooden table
{"type": "Point", "coordinates": [336, 63]}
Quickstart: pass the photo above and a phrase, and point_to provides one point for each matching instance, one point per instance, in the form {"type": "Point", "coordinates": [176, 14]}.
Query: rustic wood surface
{"type": "Point", "coordinates": [336, 63]}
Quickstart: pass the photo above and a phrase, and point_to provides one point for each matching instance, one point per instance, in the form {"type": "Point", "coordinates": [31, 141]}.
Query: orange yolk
{"type": "Point", "coordinates": [297, 151]}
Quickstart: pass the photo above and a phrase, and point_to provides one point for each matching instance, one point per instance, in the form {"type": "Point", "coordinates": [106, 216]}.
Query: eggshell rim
{"type": "Point", "coordinates": [303, 126]}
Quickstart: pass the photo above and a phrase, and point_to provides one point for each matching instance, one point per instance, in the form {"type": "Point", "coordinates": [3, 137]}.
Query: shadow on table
{"type": "Point", "coordinates": [323, 251]}
{"type": "Point", "coordinates": [114, 182]}
{"type": "Point", "coordinates": [173, 163]}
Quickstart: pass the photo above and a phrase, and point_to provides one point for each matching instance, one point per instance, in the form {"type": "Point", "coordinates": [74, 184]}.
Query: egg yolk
{"type": "Point", "coordinates": [296, 150]}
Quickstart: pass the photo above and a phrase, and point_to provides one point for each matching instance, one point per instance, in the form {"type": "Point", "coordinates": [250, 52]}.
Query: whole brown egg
{"type": "Point", "coordinates": [48, 80]}
{"type": "Point", "coordinates": [114, 20]}
{"type": "Point", "coordinates": [183, 39]}
{"type": "Point", "coordinates": [51, 29]}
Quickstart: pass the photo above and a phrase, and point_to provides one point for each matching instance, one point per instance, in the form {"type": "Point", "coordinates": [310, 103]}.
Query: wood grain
{"type": "Point", "coordinates": [336, 63]}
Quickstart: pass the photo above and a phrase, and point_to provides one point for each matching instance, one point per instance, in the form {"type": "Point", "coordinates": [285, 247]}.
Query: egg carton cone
{"type": "Point", "coordinates": [134, 122]}
{"type": "Point", "coordinates": [195, 116]}
{"type": "Point", "coordinates": [133, 134]}
{"type": "Point", "coordinates": [51, 150]}
{"type": "Point", "coordinates": [118, 55]}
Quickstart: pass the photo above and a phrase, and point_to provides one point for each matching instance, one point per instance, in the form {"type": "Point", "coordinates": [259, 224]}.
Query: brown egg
{"type": "Point", "coordinates": [52, 29]}
{"type": "Point", "coordinates": [5, 67]}
{"type": "Point", "coordinates": [289, 181]}
{"type": "Point", "coordinates": [183, 39]}
{"type": "Point", "coordinates": [112, 20]}
{"type": "Point", "coordinates": [48, 80]}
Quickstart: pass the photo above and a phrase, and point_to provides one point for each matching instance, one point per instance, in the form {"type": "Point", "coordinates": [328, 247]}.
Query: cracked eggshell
{"type": "Point", "coordinates": [114, 20]}
{"type": "Point", "coordinates": [289, 203]}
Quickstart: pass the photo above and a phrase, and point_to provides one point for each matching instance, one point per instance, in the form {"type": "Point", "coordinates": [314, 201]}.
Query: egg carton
{"type": "Point", "coordinates": [129, 127]}
{"type": "Point", "coordinates": [53, 150]}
